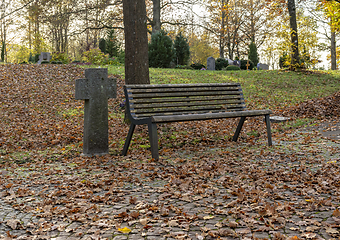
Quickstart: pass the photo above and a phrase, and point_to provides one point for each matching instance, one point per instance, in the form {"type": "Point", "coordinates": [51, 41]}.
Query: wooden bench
{"type": "Point", "coordinates": [153, 104]}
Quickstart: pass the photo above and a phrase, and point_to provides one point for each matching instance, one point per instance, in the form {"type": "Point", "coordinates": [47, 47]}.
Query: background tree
{"type": "Point", "coordinates": [295, 59]}
{"type": "Point", "coordinates": [252, 55]}
{"type": "Point", "coordinates": [161, 50]}
{"type": "Point", "coordinates": [182, 49]}
{"type": "Point", "coordinates": [136, 42]}
{"type": "Point", "coordinates": [331, 11]}
{"type": "Point", "coordinates": [112, 44]}
{"type": "Point", "coordinates": [102, 45]}
{"type": "Point", "coordinates": [201, 49]}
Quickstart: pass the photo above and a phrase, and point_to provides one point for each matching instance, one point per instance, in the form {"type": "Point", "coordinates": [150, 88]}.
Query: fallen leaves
{"type": "Point", "coordinates": [331, 230]}
{"type": "Point", "coordinates": [231, 190]}
{"type": "Point", "coordinates": [336, 213]}
{"type": "Point", "coordinates": [13, 223]}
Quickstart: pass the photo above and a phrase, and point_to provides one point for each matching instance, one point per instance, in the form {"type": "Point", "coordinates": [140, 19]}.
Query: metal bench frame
{"type": "Point", "coordinates": [153, 104]}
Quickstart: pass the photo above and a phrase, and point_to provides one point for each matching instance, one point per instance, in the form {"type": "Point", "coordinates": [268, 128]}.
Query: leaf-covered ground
{"type": "Point", "coordinates": [203, 187]}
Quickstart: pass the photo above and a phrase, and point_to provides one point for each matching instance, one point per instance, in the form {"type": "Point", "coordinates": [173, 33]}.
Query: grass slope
{"type": "Point", "coordinates": [263, 89]}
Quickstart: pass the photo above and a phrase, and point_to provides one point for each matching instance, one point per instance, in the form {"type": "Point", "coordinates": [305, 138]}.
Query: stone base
{"type": "Point", "coordinates": [93, 154]}
{"type": "Point", "coordinates": [278, 119]}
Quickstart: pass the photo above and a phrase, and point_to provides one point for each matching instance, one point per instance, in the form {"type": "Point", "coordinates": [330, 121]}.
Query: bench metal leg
{"type": "Point", "coordinates": [128, 139]}
{"type": "Point", "coordinates": [153, 138]}
{"type": "Point", "coordinates": [269, 133]}
{"type": "Point", "coordinates": [238, 129]}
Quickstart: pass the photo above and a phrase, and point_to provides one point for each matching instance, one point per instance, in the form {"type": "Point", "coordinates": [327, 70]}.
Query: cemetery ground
{"type": "Point", "coordinates": [203, 187]}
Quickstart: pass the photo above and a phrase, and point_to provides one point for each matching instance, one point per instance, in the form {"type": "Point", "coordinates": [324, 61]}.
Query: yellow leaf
{"type": "Point", "coordinates": [208, 217]}
{"type": "Point", "coordinates": [124, 230]}
{"type": "Point", "coordinates": [332, 161]}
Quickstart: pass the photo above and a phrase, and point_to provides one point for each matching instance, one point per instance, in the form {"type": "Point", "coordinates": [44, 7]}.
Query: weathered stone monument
{"type": "Point", "coordinates": [44, 56]}
{"type": "Point", "coordinates": [211, 63]}
{"type": "Point", "coordinates": [230, 62]}
{"type": "Point", "coordinates": [96, 89]}
{"type": "Point", "coordinates": [261, 66]}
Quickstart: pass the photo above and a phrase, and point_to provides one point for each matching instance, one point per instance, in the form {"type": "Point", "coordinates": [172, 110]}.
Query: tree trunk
{"type": "Point", "coordinates": [293, 35]}
{"type": "Point", "coordinates": [252, 21]}
{"type": "Point", "coordinates": [156, 21]}
{"type": "Point", "coordinates": [333, 51]}
{"type": "Point", "coordinates": [222, 33]}
{"type": "Point", "coordinates": [136, 42]}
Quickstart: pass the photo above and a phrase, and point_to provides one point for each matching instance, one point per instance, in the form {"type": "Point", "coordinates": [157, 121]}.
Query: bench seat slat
{"type": "Point", "coordinates": [183, 89]}
{"type": "Point", "coordinates": [207, 116]}
{"type": "Point", "coordinates": [192, 108]}
{"type": "Point", "coordinates": [181, 94]}
{"type": "Point", "coordinates": [184, 99]}
{"type": "Point", "coordinates": [226, 104]}
{"type": "Point", "coordinates": [148, 115]}
{"type": "Point", "coordinates": [151, 86]}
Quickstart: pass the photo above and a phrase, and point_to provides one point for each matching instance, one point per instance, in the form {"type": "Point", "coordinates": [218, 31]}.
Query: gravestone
{"type": "Point", "coordinates": [230, 62]}
{"type": "Point", "coordinates": [237, 63]}
{"type": "Point", "coordinates": [261, 66]}
{"type": "Point", "coordinates": [211, 63]}
{"type": "Point", "coordinates": [96, 89]}
{"type": "Point", "coordinates": [44, 56]}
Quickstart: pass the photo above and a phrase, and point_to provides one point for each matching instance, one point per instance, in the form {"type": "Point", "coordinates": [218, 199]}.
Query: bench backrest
{"type": "Point", "coordinates": [175, 99]}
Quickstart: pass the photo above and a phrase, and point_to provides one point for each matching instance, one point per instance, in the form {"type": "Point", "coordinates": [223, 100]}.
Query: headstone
{"type": "Point", "coordinates": [261, 66]}
{"type": "Point", "coordinates": [237, 63]}
{"type": "Point", "coordinates": [230, 62]}
{"type": "Point", "coordinates": [44, 56]}
{"type": "Point", "coordinates": [211, 63]}
{"type": "Point", "coordinates": [96, 89]}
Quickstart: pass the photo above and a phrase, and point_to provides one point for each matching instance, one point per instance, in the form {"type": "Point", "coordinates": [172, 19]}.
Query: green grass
{"type": "Point", "coordinates": [262, 89]}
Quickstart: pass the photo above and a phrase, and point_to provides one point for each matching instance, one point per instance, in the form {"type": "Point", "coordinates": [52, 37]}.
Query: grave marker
{"type": "Point", "coordinates": [95, 89]}
{"type": "Point", "coordinates": [44, 56]}
{"type": "Point", "coordinates": [247, 64]}
{"type": "Point", "coordinates": [211, 63]}
{"type": "Point", "coordinates": [261, 66]}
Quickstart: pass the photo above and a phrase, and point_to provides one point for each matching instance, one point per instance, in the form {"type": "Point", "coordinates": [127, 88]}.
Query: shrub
{"type": "Point", "coordinates": [3, 51]}
{"type": "Point", "coordinates": [102, 45]}
{"type": "Point", "coordinates": [244, 65]}
{"type": "Point", "coordinates": [183, 67]}
{"type": "Point", "coordinates": [161, 50]}
{"type": "Point", "coordinates": [197, 66]}
{"type": "Point", "coordinates": [232, 68]}
{"type": "Point", "coordinates": [112, 61]}
{"type": "Point", "coordinates": [45, 62]}
{"type": "Point", "coordinates": [221, 63]}
{"type": "Point", "coordinates": [182, 49]}
{"type": "Point", "coordinates": [31, 58]}
{"type": "Point", "coordinates": [60, 57]}
{"type": "Point", "coordinates": [36, 57]}
{"type": "Point", "coordinates": [252, 54]}
{"type": "Point", "coordinates": [284, 60]}
{"type": "Point", "coordinates": [94, 56]}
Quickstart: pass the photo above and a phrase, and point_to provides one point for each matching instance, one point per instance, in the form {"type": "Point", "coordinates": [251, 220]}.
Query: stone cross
{"type": "Point", "coordinates": [96, 89]}
{"type": "Point", "coordinates": [211, 63]}
{"type": "Point", "coordinates": [247, 64]}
